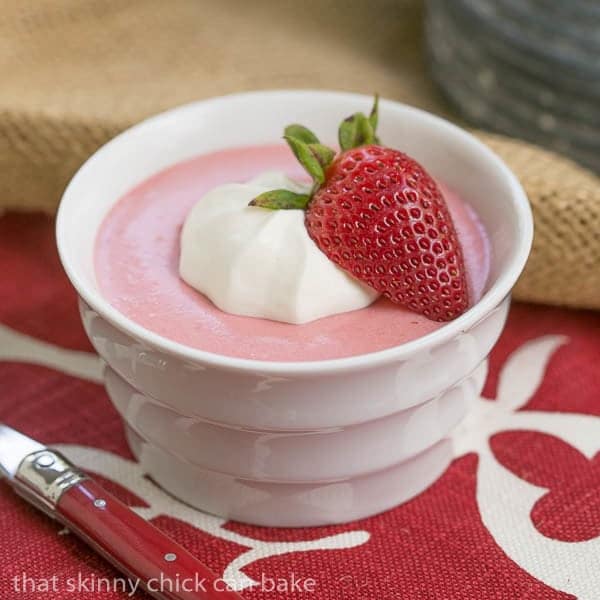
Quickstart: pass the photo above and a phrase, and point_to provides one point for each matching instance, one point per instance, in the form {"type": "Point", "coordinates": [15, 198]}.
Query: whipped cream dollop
{"type": "Point", "coordinates": [258, 262]}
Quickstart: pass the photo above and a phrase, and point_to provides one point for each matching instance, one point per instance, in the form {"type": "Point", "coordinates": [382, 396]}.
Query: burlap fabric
{"type": "Point", "coordinates": [76, 72]}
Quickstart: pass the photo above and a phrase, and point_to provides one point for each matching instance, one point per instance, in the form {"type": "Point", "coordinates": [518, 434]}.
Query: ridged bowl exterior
{"type": "Point", "coordinates": [305, 442]}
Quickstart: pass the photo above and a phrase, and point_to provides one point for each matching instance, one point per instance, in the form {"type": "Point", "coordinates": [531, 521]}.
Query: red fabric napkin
{"type": "Point", "coordinates": [517, 514]}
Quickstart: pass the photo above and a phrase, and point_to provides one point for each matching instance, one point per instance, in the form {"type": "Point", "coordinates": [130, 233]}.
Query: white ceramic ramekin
{"type": "Point", "coordinates": [292, 443]}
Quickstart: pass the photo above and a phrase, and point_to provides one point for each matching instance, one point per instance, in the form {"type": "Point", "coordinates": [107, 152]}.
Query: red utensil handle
{"type": "Point", "coordinates": [165, 569]}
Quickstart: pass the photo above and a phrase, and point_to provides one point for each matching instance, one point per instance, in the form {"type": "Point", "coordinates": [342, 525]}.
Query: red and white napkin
{"type": "Point", "coordinates": [517, 514]}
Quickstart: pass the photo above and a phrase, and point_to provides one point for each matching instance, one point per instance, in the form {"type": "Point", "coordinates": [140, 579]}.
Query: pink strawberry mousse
{"type": "Point", "coordinates": [137, 256]}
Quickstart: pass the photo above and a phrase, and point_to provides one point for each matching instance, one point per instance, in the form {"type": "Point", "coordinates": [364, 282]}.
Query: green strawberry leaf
{"type": "Point", "coordinates": [356, 131]}
{"type": "Point", "coordinates": [348, 133]}
{"type": "Point", "coordinates": [366, 130]}
{"type": "Point", "coordinates": [301, 133]}
{"type": "Point", "coordinates": [281, 200]}
{"type": "Point", "coordinates": [324, 154]}
{"type": "Point", "coordinates": [307, 158]}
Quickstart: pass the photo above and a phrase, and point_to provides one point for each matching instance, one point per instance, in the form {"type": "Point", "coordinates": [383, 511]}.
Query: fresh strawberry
{"type": "Point", "coordinates": [379, 215]}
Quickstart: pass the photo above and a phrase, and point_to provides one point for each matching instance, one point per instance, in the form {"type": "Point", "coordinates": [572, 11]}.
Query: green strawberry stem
{"type": "Point", "coordinates": [374, 114]}
{"type": "Point", "coordinates": [355, 131]}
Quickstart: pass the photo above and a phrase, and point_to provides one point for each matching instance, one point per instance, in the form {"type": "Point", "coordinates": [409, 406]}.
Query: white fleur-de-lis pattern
{"type": "Point", "coordinates": [504, 500]}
